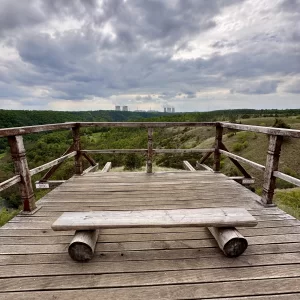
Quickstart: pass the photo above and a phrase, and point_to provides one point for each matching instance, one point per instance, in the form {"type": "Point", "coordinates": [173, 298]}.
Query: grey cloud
{"type": "Point", "coordinates": [256, 87]}
{"type": "Point", "coordinates": [137, 56]}
{"type": "Point", "coordinates": [16, 14]}
{"type": "Point", "coordinates": [291, 6]}
{"type": "Point", "coordinates": [293, 86]}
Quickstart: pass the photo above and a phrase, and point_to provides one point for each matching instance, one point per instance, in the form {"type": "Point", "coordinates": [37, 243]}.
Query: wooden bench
{"type": "Point", "coordinates": [221, 222]}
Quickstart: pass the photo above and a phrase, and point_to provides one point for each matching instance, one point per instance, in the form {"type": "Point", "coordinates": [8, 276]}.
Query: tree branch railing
{"type": "Point", "coordinates": [23, 174]}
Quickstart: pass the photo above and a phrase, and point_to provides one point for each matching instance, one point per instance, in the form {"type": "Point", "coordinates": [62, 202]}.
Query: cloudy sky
{"type": "Point", "coordinates": [194, 55]}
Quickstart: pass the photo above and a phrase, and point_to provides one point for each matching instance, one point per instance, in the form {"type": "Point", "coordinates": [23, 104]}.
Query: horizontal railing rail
{"type": "Point", "coordinates": [23, 174]}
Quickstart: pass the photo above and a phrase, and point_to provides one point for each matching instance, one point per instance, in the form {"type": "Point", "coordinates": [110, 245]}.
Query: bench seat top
{"type": "Point", "coordinates": [206, 217]}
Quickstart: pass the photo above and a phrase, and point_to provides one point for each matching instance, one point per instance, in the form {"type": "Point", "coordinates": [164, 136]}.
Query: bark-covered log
{"type": "Point", "coordinates": [230, 241]}
{"type": "Point", "coordinates": [83, 245]}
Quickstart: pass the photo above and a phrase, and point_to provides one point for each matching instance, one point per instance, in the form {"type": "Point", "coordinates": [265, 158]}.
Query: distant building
{"type": "Point", "coordinates": [118, 107]}
{"type": "Point", "coordinates": [169, 109]}
{"type": "Point", "coordinates": [125, 108]}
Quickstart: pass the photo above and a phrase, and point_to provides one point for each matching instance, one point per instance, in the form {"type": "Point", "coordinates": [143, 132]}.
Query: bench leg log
{"type": "Point", "coordinates": [230, 241]}
{"type": "Point", "coordinates": [82, 246]}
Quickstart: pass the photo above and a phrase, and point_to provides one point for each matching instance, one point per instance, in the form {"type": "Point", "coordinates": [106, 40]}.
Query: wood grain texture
{"type": "Point", "coordinates": [150, 263]}
{"type": "Point", "coordinates": [218, 217]}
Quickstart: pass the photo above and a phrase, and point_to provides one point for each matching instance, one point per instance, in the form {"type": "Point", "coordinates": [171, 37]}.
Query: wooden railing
{"type": "Point", "coordinates": [23, 173]}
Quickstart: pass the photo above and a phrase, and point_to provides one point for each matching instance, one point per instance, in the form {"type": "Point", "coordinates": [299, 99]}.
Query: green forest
{"type": "Point", "coordinates": [44, 147]}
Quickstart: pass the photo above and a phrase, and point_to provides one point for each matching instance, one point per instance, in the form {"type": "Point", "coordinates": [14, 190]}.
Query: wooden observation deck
{"type": "Point", "coordinates": [149, 263]}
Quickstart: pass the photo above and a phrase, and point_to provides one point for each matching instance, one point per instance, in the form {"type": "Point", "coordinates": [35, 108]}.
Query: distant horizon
{"type": "Point", "coordinates": [169, 113]}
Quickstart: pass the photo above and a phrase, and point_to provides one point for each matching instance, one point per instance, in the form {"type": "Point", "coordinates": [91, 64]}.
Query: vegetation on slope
{"type": "Point", "coordinates": [44, 147]}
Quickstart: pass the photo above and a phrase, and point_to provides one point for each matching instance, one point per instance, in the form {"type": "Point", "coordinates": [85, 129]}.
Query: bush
{"type": "Point", "coordinates": [133, 161]}
{"type": "Point", "coordinates": [237, 147]}
{"type": "Point", "coordinates": [279, 123]}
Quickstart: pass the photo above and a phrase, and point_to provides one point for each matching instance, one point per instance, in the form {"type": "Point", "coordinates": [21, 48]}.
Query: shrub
{"type": "Point", "coordinates": [133, 161]}
{"type": "Point", "coordinates": [279, 123]}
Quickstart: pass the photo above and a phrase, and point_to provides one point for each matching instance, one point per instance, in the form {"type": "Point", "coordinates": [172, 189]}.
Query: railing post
{"type": "Point", "coordinates": [77, 147]}
{"type": "Point", "coordinates": [218, 145]}
{"type": "Point", "coordinates": [150, 150]}
{"type": "Point", "coordinates": [18, 154]}
{"type": "Point", "coordinates": [272, 161]}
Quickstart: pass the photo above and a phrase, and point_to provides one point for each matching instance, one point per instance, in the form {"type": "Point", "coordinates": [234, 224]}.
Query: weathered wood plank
{"type": "Point", "coordinates": [149, 161]}
{"type": "Point", "coordinates": [77, 148]}
{"type": "Point", "coordinates": [147, 278]}
{"type": "Point", "coordinates": [218, 143]}
{"type": "Point", "coordinates": [32, 129]}
{"type": "Point", "coordinates": [54, 168]}
{"type": "Point", "coordinates": [287, 178]}
{"type": "Point", "coordinates": [106, 168]}
{"type": "Point", "coordinates": [256, 287]}
{"type": "Point", "coordinates": [54, 238]}
{"type": "Point", "coordinates": [114, 151]}
{"type": "Point", "coordinates": [51, 163]}
{"type": "Point", "coordinates": [272, 163]}
{"type": "Point", "coordinates": [225, 217]}
{"type": "Point", "coordinates": [10, 182]}
{"type": "Point", "coordinates": [188, 166]}
{"type": "Point", "coordinates": [244, 160]}
{"type": "Point", "coordinates": [117, 264]}
{"type": "Point", "coordinates": [90, 169]}
{"type": "Point", "coordinates": [261, 129]}
{"type": "Point", "coordinates": [18, 155]}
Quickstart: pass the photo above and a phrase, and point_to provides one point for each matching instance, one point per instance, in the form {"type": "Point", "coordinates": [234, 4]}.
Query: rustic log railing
{"type": "Point", "coordinates": [23, 174]}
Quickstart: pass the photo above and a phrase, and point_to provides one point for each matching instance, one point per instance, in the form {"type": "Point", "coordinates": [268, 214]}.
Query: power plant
{"type": "Point", "coordinates": [169, 109]}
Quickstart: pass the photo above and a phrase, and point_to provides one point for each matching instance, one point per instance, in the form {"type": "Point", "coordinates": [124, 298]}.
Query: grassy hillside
{"type": "Point", "coordinates": [42, 148]}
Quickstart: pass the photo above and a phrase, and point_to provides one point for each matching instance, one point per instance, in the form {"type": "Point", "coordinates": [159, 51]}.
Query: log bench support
{"type": "Point", "coordinates": [82, 247]}
{"type": "Point", "coordinates": [230, 240]}
{"type": "Point", "coordinates": [221, 223]}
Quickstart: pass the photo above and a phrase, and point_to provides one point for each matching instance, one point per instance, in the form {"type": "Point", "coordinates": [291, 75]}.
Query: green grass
{"type": "Point", "coordinates": [289, 201]}
{"type": "Point", "coordinates": [6, 215]}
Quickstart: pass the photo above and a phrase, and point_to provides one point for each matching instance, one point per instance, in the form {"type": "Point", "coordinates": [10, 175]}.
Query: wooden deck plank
{"type": "Point", "coordinates": [145, 245]}
{"type": "Point", "coordinates": [258, 255]}
{"type": "Point", "coordinates": [35, 239]}
{"type": "Point", "coordinates": [184, 291]}
{"type": "Point", "coordinates": [159, 278]}
{"type": "Point", "coordinates": [150, 263]}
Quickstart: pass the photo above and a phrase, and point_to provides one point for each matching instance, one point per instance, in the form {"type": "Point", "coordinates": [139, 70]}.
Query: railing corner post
{"type": "Point", "coordinates": [272, 161]}
{"type": "Point", "coordinates": [18, 154]}
{"type": "Point", "coordinates": [150, 150]}
{"type": "Point", "coordinates": [218, 142]}
{"type": "Point", "coordinates": [77, 148]}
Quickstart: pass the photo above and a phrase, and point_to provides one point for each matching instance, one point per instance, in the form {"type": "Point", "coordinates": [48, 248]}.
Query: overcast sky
{"type": "Point", "coordinates": [194, 55]}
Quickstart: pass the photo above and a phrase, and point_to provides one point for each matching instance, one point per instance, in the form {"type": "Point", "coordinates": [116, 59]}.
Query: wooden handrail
{"type": "Point", "coordinates": [262, 129]}
{"type": "Point", "coordinates": [244, 160]}
{"type": "Point", "coordinates": [52, 163]}
{"type": "Point", "coordinates": [287, 178]}
{"type": "Point", "coordinates": [4, 132]}
{"type": "Point", "coordinates": [145, 151]}
{"type": "Point", "coordinates": [23, 175]}
{"type": "Point", "coordinates": [9, 182]}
